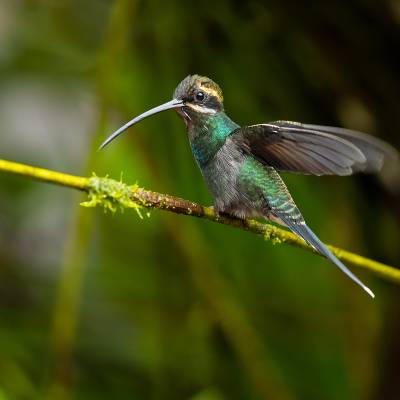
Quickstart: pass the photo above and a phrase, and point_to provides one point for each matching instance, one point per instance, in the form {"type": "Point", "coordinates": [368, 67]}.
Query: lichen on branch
{"type": "Point", "coordinates": [111, 195]}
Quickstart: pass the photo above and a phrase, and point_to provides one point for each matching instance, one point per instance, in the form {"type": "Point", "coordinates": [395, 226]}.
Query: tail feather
{"type": "Point", "coordinates": [302, 230]}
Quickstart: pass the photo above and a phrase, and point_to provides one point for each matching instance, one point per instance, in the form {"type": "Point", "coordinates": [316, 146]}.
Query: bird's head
{"type": "Point", "coordinates": [199, 94]}
{"type": "Point", "coordinates": [194, 95]}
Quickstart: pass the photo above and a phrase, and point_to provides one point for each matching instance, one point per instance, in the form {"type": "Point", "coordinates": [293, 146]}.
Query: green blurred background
{"type": "Point", "coordinates": [95, 306]}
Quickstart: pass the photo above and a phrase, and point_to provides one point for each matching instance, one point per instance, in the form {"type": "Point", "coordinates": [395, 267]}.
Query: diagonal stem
{"type": "Point", "coordinates": [155, 200]}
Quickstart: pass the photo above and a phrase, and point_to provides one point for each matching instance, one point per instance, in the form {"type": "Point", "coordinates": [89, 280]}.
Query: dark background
{"type": "Point", "coordinates": [95, 306]}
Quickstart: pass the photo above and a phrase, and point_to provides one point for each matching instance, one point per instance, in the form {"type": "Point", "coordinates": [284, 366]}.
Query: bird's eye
{"type": "Point", "coordinates": [200, 96]}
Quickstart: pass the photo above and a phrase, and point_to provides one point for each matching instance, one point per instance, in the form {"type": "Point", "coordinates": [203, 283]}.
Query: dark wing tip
{"type": "Point", "coordinates": [378, 153]}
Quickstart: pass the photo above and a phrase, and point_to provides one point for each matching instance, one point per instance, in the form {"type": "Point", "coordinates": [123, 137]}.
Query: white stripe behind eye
{"type": "Point", "coordinates": [204, 110]}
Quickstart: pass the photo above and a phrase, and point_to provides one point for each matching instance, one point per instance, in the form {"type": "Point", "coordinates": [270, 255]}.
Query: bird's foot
{"type": "Point", "coordinates": [218, 213]}
{"type": "Point", "coordinates": [226, 214]}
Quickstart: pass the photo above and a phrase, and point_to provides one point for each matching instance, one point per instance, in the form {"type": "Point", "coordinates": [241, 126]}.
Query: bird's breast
{"type": "Point", "coordinates": [220, 174]}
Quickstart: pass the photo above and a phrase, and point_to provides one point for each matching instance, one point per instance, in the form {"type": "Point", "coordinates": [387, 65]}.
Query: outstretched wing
{"type": "Point", "coordinates": [313, 149]}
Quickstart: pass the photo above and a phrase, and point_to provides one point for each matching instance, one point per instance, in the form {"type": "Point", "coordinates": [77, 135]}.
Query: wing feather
{"type": "Point", "coordinates": [313, 149]}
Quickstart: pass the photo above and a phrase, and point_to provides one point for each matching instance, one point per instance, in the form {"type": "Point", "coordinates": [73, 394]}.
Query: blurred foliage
{"type": "Point", "coordinates": [99, 306]}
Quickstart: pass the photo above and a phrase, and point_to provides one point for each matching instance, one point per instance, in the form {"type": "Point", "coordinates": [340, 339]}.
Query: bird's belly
{"type": "Point", "coordinates": [221, 175]}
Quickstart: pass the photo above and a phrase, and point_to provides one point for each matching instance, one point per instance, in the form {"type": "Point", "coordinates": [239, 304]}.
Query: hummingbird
{"type": "Point", "coordinates": [240, 164]}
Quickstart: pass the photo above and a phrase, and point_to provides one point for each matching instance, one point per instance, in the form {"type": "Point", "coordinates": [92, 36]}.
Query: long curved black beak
{"type": "Point", "coordinates": [166, 106]}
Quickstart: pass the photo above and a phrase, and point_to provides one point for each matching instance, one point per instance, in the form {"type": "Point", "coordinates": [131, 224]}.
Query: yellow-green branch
{"type": "Point", "coordinates": [112, 195]}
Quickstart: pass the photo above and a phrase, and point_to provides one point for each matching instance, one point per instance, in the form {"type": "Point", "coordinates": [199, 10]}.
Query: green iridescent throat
{"type": "Point", "coordinates": [211, 133]}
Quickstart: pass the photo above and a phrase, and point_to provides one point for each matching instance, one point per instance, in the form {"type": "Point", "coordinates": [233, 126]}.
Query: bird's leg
{"type": "Point", "coordinates": [226, 213]}
{"type": "Point", "coordinates": [218, 212]}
